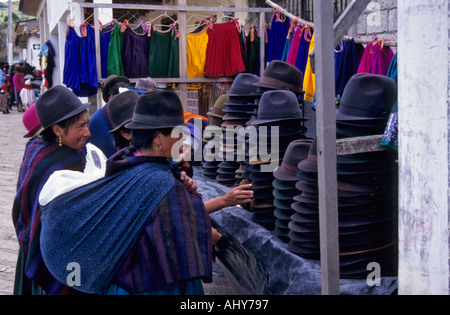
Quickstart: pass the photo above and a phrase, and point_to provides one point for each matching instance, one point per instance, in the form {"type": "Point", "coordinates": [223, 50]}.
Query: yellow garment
{"type": "Point", "coordinates": [196, 48]}
{"type": "Point", "coordinates": [309, 82]}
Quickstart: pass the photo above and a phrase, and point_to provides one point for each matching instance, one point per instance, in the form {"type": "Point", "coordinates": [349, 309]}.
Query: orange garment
{"type": "Point", "coordinates": [188, 116]}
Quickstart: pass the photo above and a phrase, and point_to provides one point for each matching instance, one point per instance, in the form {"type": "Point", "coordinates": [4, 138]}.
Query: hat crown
{"type": "Point", "coordinates": [243, 84]}
{"type": "Point", "coordinates": [368, 95]}
{"type": "Point", "coordinates": [296, 152]}
{"type": "Point", "coordinates": [121, 108]}
{"type": "Point", "coordinates": [58, 104]}
{"type": "Point", "coordinates": [279, 104]}
{"type": "Point", "coordinates": [157, 109]}
{"type": "Point", "coordinates": [282, 75]}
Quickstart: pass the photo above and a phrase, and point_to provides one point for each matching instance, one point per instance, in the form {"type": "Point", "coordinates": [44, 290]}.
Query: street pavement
{"type": "Point", "coordinates": [12, 146]}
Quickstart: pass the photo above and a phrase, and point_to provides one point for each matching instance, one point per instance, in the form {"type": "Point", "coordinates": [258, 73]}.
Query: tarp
{"type": "Point", "coordinates": [260, 262]}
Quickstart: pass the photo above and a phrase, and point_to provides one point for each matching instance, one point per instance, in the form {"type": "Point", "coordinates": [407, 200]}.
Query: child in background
{"type": "Point", "coordinates": [27, 95]}
{"type": "Point", "coordinates": [4, 99]}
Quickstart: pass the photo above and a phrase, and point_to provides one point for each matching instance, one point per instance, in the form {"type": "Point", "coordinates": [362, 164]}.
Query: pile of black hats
{"type": "Point", "coordinates": [367, 189]}
{"type": "Point", "coordinates": [211, 138]}
{"type": "Point", "coordinates": [279, 123]}
{"type": "Point", "coordinates": [284, 189]}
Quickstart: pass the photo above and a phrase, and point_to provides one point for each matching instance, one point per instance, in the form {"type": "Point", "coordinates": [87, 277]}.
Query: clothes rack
{"type": "Point", "coordinates": [182, 9]}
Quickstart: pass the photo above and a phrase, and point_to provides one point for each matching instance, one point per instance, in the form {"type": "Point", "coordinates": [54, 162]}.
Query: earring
{"type": "Point", "coordinates": [159, 148]}
{"type": "Point", "coordinates": [60, 142]}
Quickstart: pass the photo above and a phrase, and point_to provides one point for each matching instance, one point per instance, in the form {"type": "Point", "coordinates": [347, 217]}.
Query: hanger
{"type": "Point", "coordinates": [164, 15]}
{"type": "Point", "coordinates": [223, 16]}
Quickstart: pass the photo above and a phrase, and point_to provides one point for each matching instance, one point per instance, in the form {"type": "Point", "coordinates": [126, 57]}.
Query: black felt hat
{"type": "Point", "coordinates": [110, 81]}
{"type": "Point", "coordinates": [58, 104]}
{"type": "Point", "coordinates": [157, 110]}
{"type": "Point", "coordinates": [280, 75]}
{"type": "Point", "coordinates": [121, 109]}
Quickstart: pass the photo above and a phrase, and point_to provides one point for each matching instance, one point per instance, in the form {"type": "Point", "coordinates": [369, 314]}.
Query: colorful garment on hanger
{"type": "Point", "coordinates": [88, 63]}
{"type": "Point", "coordinates": [135, 51]}
{"type": "Point", "coordinates": [303, 50]}
{"type": "Point", "coordinates": [278, 32]}
{"type": "Point", "coordinates": [115, 65]}
{"type": "Point", "coordinates": [348, 56]}
{"type": "Point", "coordinates": [174, 57]}
{"type": "Point", "coordinates": [376, 58]}
{"type": "Point", "coordinates": [253, 52]}
{"type": "Point", "coordinates": [105, 38]}
{"type": "Point", "coordinates": [390, 137]}
{"type": "Point", "coordinates": [71, 74]}
{"type": "Point", "coordinates": [223, 54]}
{"type": "Point", "coordinates": [309, 81]}
{"type": "Point", "coordinates": [293, 49]}
{"type": "Point", "coordinates": [158, 58]}
{"type": "Point", "coordinates": [197, 43]}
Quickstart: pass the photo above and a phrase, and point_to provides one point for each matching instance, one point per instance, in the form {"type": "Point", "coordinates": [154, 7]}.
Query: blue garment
{"type": "Point", "coordinates": [105, 38]}
{"type": "Point", "coordinates": [303, 53]}
{"type": "Point", "coordinates": [99, 126]}
{"type": "Point", "coordinates": [192, 287]}
{"type": "Point", "coordinates": [88, 65]}
{"type": "Point", "coordinates": [277, 38]}
{"type": "Point", "coordinates": [101, 224]}
{"type": "Point", "coordinates": [71, 76]}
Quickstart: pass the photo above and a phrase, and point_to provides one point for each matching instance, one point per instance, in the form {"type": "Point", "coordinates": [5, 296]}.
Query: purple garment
{"type": "Point", "coordinates": [376, 60]}
{"type": "Point", "coordinates": [277, 38]}
{"type": "Point", "coordinates": [135, 52]}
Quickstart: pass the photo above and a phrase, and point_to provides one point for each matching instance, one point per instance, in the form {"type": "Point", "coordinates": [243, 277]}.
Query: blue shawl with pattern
{"type": "Point", "coordinates": [95, 226]}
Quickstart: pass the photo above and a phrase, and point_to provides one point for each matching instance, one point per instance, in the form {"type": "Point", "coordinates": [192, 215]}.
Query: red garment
{"type": "Point", "coordinates": [19, 82]}
{"type": "Point", "coordinates": [223, 54]}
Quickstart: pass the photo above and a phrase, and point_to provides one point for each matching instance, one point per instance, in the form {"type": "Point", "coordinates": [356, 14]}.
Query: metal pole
{"type": "Point", "coordinates": [10, 32]}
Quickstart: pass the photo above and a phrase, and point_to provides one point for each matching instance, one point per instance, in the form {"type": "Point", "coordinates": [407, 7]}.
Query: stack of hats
{"type": "Point", "coordinates": [211, 139]}
{"type": "Point", "coordinates": [278, 124]}
{"type": "Point", "coordinates": [284, 188]}
{"type": "Point", "coordinates": [237, 113]}
{"type": "Point", "coordinates": [367, 189]}
{"type": "Point", "coordinates": [367, 182]}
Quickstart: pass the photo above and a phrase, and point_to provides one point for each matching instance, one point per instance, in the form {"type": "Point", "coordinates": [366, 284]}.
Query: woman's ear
{"type": "Point", "coordinates": [58, 131]}
{"type": "Point", "coordinates": [126, 135]}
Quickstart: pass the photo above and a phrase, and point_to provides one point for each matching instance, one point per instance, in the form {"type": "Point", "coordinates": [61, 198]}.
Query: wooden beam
{"type": "Point", "coordinates": [98, 57]}
{"type": "Point", "coordinates": [359, 145]}
{"type": "Point", "coordinates": [182, 20]}
{"type": "Point", "coordinates": [326, 147]}
{"type": "Point", "coordinates": [348, 18]}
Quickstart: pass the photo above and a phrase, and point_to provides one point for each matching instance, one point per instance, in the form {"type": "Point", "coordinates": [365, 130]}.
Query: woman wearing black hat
{"type": "Point", "coordinates": [138, 230]}
{"type": "Point", "coordinates": [64, 136]}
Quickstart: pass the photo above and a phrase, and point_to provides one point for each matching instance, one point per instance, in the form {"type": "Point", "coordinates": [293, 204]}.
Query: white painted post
{"type": "Point", "coordinates": [423, 75]}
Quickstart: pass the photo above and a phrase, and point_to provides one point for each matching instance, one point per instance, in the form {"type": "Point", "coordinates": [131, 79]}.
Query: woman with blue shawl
{"type": "Point", "coordinates": [137, 231]}
{"type": "Point", "coordinates": [63, 139]}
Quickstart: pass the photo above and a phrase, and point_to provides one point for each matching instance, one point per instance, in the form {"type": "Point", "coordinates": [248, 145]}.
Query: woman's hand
{"type": "Point", "coordinates": [189, 183]}
{"type": "Point", "coordinates": [216, 236]}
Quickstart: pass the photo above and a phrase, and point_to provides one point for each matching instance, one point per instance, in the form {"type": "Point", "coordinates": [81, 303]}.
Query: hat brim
{"type": "Point", "coordinates": [34, 132]}
{"type": "Point", "coordinates": [120, 126]}
{"type": "Point", "coordinates": [137, 126]}
{"type": "Point", "coordinates": [75, 112]}
{"type": "Point", "coordinates": [111, 82]}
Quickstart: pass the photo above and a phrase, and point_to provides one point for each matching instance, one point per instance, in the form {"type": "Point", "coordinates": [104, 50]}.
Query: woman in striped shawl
{"type": "Point", "coordinates": [61, 148]}
{"type": "Point", "coordinates": [137, 231]}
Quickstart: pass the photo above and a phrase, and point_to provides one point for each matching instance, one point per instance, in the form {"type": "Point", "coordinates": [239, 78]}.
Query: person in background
{"type": "Point", "coordinates": [19, 83]}
{"type": "Point", "coordinates": [60, 148]}
{"type": "Point", "coordinates": [4, 99]}
{"type": "Point", "coordinates": [27, 95]}
{"type": "Point", "coordinates": [2, 74]}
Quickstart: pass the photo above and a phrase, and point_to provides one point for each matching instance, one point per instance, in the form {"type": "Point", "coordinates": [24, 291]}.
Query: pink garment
{"type": "Point", "coordinates": [376, 59]}
{"type": "Point", "coordinates": [19, 82]}
{"type": "Point", "coordinates": [293, 49]}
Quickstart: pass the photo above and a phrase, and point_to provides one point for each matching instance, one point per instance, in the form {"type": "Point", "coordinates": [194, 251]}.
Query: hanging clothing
{"type": "Point", "coordinates": [376, 58]}
{"type": "Point", "coordinates": [71, 75]}
{"type": "Point", "coordinates": [88, 63]}
{"type": "Point", "coordinates": [223, 54]}
{"type": "Point", "coordinates": [278, 32]}
{"type": "Point", "coordinates": [254, 52]}
{"type": "Point", "coordinates": [390, 137]}
{"type": "Point", "coordinates": [303, 50]}
{"type": "Point", "coordinates": [197, 44]}
{"type": "Point", "coordinates": [158, 57]}
{"type": "Point", "coordinates": [115, 64]}
{"type": "Point", "coordinates": [49, 65]}
{"type": "Point", "coordinates": [174, 55]}
{"type": "Point", "coordinates": [135, 51]}
{"type": "Point", "coordinates": [309, 81]}
{"type": "Point", "coordinates": [105, 38]}
{"type": "Point", "coordinates": [347, 60]}
{"type": "Point", "coordinates": [293, 48]}
{"type": "Point", "coordinates": [41, 159]}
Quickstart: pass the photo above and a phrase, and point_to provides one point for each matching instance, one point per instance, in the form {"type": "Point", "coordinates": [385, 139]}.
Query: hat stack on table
{"type": "Point", "coordinates": [367, 189]}
{"type": "Point", "coordinates": [278, 109]}
{"type": "Point", "coordinates": [211, 138]}
{"type": "Point", "coordinates": [240, 102]}
{"type": "Point", "coordinates": [284, 188]}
